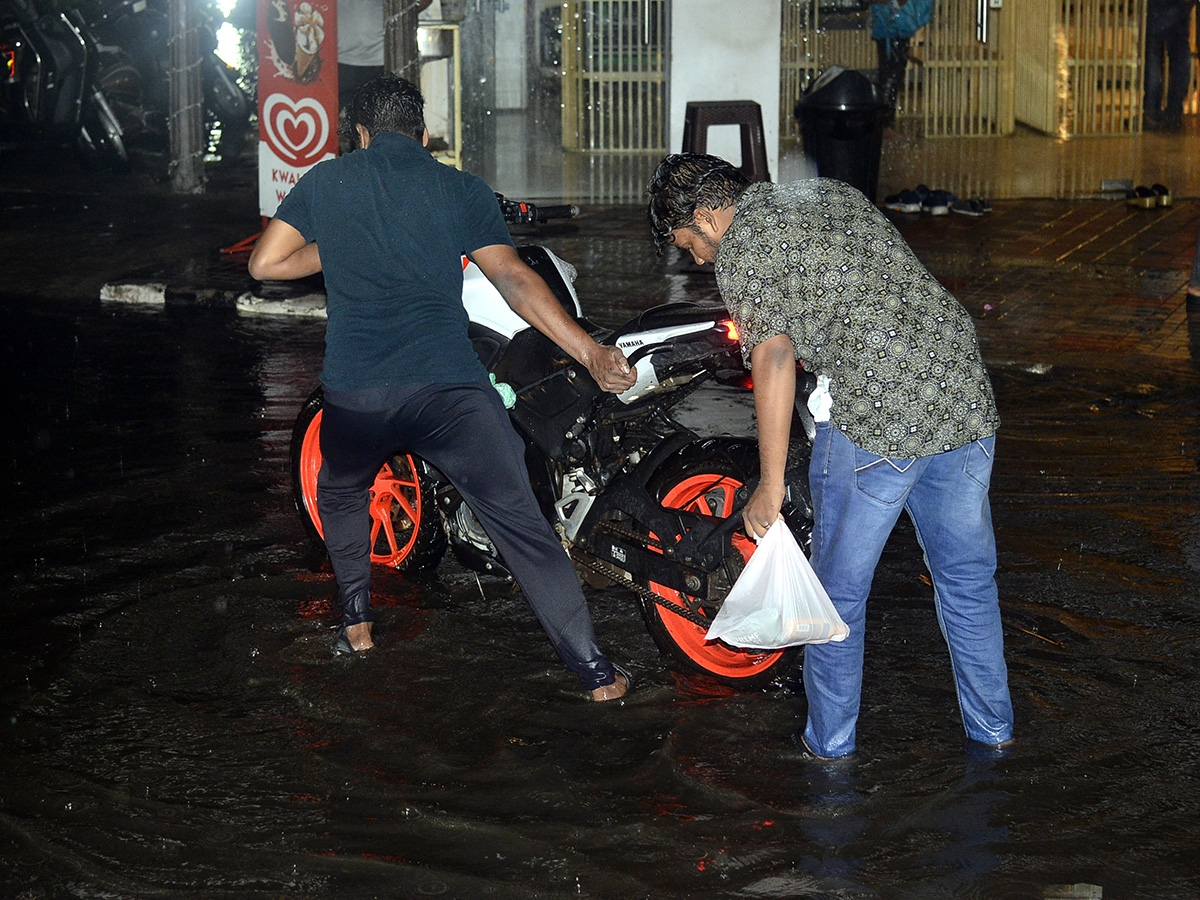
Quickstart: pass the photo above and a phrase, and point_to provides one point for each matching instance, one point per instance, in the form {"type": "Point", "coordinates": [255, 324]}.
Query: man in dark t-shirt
{"type": "Point", "coordinates": [388, 225]}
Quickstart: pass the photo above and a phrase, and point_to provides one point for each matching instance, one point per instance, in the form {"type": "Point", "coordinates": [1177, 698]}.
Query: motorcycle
{"type": "Point", "coordinates": [639, 500]}
{"type": "Point", "coordinates": [134, 72]}
{"type": "Point", "coordinates": [51, 87]}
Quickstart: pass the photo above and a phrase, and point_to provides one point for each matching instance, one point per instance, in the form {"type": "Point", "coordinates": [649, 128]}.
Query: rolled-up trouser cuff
{"type": "Point", "coordinates": [356, 609]}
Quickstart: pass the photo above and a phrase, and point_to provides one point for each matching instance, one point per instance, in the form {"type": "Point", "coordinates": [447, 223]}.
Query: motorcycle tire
{"type": "Point", "coordinates": [124, 86]}
{"type": "Point", "coordinates": [406, 530]}
{"type": "Point", "coordinates": [706, 480]}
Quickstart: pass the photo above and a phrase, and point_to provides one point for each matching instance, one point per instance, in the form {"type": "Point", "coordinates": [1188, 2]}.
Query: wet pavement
{"type": "Point", "coordinates": [172, 722]}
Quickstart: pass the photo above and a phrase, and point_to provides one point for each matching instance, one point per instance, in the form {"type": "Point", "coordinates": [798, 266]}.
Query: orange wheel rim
{"type": "Point", "coordinates": [710, 495]}
{"type": "Point", "coordinates": [395, 504]}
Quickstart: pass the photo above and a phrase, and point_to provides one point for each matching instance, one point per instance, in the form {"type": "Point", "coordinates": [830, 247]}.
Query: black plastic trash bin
{"type": "Point", "coordinates": [841, 122]}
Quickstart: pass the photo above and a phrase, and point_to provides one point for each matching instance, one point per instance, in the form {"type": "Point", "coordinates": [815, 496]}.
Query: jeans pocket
{"type": "Point", "coordinates": [883, 480]}
{"type": "Point", "coordinates": [978, 463]}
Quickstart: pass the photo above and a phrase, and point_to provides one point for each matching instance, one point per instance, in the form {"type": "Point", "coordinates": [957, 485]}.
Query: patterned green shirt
{"type": "Point", "coordinates": [815, 260]}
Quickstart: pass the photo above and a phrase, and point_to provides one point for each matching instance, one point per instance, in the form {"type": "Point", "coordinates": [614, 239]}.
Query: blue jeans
{"type": "Point", "coordinates": [857, 497]}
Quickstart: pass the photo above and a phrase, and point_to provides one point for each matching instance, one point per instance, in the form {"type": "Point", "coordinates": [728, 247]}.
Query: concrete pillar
{"type": "Point", "coordinates": [725, 51]}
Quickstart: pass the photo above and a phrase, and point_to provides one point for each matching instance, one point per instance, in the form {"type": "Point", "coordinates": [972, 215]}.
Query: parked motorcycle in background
{"type": "Point", "coordinates": [134, 71]}
{"type": "Point", "coordinates": [51, 88]}
{"type": "Point", "coordinates": [638, 499]}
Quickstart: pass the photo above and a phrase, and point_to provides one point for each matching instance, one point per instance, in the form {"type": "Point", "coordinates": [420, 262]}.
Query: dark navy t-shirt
{"type": "Point", "coordinates": [392, 225]}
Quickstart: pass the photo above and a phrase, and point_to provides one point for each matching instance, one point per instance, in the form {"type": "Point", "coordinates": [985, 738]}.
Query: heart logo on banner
{"type": "Point", "coordinates": [296, 130]}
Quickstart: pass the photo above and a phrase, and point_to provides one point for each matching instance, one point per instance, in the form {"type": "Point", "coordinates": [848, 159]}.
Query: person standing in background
{"type": "Point", "coordinates": [360, 44]}
{"type": "Point", "coordinates": [1193, 288]}
{"type": "Point", "coordinates": [893, 23]}
{"type": "Point", "coordinates": [1167, 32]}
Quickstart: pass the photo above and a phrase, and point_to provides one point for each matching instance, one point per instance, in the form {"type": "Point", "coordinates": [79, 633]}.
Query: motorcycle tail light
{"type": "Point", "coordinates": [731, 331]}
{"type": "Point", "coordinates": [8, 60]}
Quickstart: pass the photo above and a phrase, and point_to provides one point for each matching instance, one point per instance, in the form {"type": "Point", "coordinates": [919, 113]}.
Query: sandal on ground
{"type": "Point", "coordinates": [800, 751]}
{"type": "Point", "coordinates": [938, 203]}
{"type": "Point", "coordinates": [975, 206]}
{"type": "Point", "coordinates": [1162, 194]}
{"type": "Point", "coordinates": [906, 202]}
{"type": "Point", "coordinates": [1141, 197]}
{"type": "Point", "coordinates": [342, 645]}
{"type": "Point", "coordinates": [622, 673]}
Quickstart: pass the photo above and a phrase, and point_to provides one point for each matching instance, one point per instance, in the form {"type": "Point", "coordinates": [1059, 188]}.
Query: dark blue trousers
{"type": "Point", "coordinates": [463, 430]}
{"type": "Point", "coordinates": [1167, 34]}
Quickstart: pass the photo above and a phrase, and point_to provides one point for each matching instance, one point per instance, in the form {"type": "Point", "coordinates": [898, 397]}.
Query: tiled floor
{"type": "Point", "coordinates": [1053, 282]}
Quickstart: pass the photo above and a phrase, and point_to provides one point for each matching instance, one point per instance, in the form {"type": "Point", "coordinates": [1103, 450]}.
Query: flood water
{"type": "Point", "coordinates": [173, 723]}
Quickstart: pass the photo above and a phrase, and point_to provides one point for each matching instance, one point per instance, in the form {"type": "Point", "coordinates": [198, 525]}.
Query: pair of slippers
{"type": "Point", "coordinates": [1151, 197]}
{"type": "Point", "coordinates": [920, 199]}
{"type": "Point", "coordinates": [974, 206]}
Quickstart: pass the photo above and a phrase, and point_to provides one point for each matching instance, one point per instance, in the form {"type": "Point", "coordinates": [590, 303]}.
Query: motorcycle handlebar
{"type": "Point", "coordinates": [561, 211]}
{"type": "Point", "coordinates": [516, 212]}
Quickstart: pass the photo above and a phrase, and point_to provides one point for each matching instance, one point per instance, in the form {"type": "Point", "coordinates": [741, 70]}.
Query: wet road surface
{"type": "Point", "coordinates": [173, 723]}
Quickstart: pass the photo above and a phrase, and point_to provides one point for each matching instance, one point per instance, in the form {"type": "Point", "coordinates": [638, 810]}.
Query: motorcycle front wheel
{"type": "Point", "coordinates": [406, 530]}
{"type": "Point", "coordinates": [707, 483]}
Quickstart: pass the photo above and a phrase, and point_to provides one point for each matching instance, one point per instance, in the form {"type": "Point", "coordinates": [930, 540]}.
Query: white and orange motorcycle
{"type": "Point", "coordinates": [640, 501]}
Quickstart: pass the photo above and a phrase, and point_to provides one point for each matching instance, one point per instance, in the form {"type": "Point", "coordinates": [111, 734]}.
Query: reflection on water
{"type": "Point", "coordinates": [175, 723]}
{"type": "Point", "coordinates": [529, 161]}
{"type": "Point", "coordinates": [1029, 164]}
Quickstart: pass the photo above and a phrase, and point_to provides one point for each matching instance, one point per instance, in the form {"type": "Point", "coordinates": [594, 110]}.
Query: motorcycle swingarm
{"type": "Point", "coordinates": [689, 542]}
{"type": "Point", "coordinates": [641, 562]}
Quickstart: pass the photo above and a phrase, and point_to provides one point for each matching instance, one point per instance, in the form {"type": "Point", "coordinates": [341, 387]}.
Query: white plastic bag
{"type": "Point", "coordinates": [777, 601]}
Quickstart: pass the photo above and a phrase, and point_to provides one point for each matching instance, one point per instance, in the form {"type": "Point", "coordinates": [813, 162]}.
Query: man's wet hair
{"type": "Point", "coordinates": [684, 181]}
{"type": "Point", "coordinates": [386, 104]}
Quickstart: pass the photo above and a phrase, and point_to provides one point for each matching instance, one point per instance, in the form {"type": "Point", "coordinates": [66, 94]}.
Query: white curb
{"type": "Point", "coordinates": [312, 305]}
{"type": "Point", "coordinates": [152, 293]}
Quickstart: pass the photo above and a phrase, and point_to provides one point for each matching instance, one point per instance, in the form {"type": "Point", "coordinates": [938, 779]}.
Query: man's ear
{"type": "Point", "coordinates": [425, 138]}
{"type": "Point", "coordinates": [705, 220]}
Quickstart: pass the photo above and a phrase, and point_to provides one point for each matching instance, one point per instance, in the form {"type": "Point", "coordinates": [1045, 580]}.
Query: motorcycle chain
{"type": "Point", "coordinates": [619, 576]}
{"type": "Point", "coordinates": [630, 535]}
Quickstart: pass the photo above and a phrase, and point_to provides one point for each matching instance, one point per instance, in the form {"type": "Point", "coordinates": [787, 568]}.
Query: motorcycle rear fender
{"type": "Point", "coordinates": [486, 307]}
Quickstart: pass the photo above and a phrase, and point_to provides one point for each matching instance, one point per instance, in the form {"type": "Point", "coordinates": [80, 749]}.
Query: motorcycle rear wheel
{"type": "Point", "coordinates": [406, 530]}
{"type": "Point", "coordinates": [707, 483]}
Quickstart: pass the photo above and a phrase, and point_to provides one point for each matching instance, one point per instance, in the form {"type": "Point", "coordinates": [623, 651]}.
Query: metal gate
{"type": "Point", "coordinates": [1084, 66]}
{"type": "Point", "coordinates": [959, 77]}
{"type": "Point", "coordinates": [816, 35]}
{"type": "Point", "coordinates": [614, 75]}
{"type": "Point", "coordinates": [965, 75]}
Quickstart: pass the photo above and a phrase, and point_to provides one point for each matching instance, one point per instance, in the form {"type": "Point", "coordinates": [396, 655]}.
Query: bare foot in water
{"type": "Point", "coordinates": [614, 691]}
{"type": "Point", "coordinates": [359, 636]}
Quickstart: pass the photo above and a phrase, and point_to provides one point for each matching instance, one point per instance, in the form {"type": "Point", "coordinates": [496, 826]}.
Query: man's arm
{"type": "Point", "coordinates": [531, 298]}
{"type": "Point", "coordinates": [773, 364]}
{"type": "Point", "coordinates": [282, 254]}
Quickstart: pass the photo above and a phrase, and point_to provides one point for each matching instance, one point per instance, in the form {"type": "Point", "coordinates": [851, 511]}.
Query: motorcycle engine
{"type": "Point", "coordinates": [466, 528]}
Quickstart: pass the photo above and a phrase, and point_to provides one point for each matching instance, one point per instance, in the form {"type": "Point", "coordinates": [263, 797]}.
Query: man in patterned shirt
{"type": "Point", "coordinates": [904, 407]}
